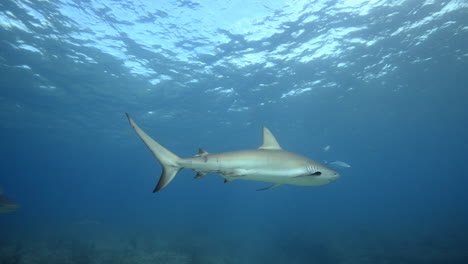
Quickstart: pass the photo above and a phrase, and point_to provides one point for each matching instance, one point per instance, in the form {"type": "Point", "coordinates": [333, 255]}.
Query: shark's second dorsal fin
{"type": "Point", "coordinates": [269, 141]}
{"type": "Point", "coordinates": [201, 153]}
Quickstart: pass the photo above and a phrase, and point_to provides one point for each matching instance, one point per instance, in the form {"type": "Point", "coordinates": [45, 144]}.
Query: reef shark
{"type": "Point", "coordinates": [7, 205]}
{"type": "Point", "coordinates": [269, 163]}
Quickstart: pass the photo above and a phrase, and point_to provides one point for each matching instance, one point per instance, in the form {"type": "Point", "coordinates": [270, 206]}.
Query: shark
{"type": "Point", "coordinates": [269, 163]}
{"type": "Point", "coordinates": [6, 204]}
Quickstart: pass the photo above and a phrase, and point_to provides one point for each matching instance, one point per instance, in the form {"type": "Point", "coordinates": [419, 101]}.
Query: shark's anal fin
{"type": "Point", "coordinates": [271, 187]}
{"type": "Point", "coordinates": [199, 175]}
{"type": "Point", "coordinates": [226, 180]}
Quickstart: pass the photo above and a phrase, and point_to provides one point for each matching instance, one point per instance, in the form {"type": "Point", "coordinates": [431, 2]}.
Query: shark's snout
{"type": "Point", "coordinates": [335, 176]}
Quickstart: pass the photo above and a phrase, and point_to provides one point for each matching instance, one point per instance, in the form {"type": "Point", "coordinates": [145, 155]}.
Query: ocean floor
{"type": "Point", "coordinates": [363, 246]}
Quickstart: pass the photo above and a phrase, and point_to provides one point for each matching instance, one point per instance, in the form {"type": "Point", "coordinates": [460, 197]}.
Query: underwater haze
{"type": "Point", "coordinates": [377, 88]}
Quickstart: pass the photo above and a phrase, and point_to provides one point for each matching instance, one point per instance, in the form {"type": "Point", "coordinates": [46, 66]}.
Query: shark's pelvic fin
{"type": "Point", "coordinates": [271, 187]}
{"type": "Point", "coordinates": [168, 160]}
{"type": "Point", "coordinates": [269, 141]}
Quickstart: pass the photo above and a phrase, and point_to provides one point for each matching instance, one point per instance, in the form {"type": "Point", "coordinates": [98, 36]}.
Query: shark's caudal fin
{"type": "Point", "coordinates": [167, 159]}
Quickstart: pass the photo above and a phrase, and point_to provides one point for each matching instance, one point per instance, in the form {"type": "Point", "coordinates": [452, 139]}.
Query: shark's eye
{"type": "Point", "coordinates": [317, 173]}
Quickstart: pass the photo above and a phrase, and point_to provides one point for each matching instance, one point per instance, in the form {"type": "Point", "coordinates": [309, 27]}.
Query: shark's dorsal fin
{"type": "Point", "coordinates": [269, 141]}
{"type": "Point", "coordinates": [201, 153]}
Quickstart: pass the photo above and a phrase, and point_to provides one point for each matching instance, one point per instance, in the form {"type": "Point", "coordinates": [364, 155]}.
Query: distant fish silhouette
{"type": "Point", "coordinates": [337, 164]}
{"type": "Point", "coordinates": [6, 204]}
{"type": "Point", "coordinates": [326, 148]}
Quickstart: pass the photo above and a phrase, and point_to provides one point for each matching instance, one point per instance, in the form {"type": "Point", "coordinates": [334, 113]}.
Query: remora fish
{"type": "Point", "coordinates": [338, 164]}
{"type": "Point", "coordinates": [7, 205]}
{"type": "Point", "coordinates": [269, 163]}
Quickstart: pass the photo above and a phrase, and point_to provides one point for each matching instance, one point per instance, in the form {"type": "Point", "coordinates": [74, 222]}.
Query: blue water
{"type": "Point", "coordinates": [383, 83]}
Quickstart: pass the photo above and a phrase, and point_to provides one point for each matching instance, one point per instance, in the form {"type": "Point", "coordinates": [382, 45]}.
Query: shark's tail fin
{"type": "Point", "coordinates": [168, 160]}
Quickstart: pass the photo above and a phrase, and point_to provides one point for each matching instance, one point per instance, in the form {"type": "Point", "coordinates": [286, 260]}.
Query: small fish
{"type": "Point", "coordinates": [6, 204]}
{"type": "Point", "coordinates": [337, 164]}
{"type": "Point", "coordinates": [326, 148]}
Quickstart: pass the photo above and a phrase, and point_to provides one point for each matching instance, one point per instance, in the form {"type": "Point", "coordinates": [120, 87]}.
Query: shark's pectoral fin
{"type": "Point", "coordinates": [271, 187]}
{"type": "Point", "coordinates": [199, 175]}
